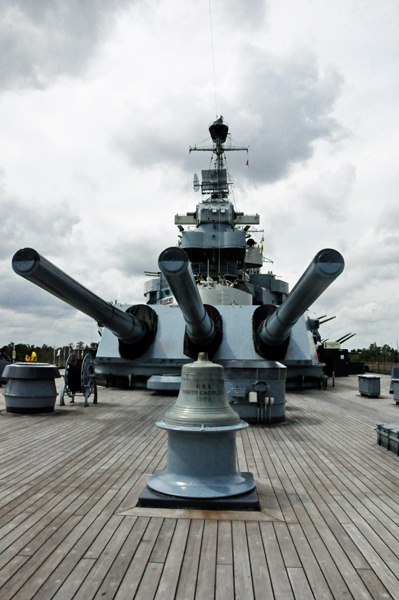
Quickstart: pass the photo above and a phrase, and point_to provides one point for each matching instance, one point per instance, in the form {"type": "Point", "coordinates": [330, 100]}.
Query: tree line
{"type": "Point", "coordinates": [45, 354]}
{"type": "Point", "coordinates": [375, 354]}
{"type": "Point", "coordinates": [58, 355]}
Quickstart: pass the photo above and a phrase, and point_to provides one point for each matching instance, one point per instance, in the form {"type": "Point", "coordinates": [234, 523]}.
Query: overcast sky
{"type": "Point", "coordinates": [99, 102]}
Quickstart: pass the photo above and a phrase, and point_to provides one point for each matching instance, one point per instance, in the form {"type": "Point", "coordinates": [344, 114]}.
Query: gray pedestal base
{"type": "Point", "coordinates": [17, 410]}
{"type": "Point", "coordinates": [201, 464]}
{"type": "Point", "coordinates": [152, 499]}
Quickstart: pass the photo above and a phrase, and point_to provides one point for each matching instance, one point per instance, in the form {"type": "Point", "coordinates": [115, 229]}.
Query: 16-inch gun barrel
{"type": "Point", "coordinates": [29, 264]}
{"type": "Point", "coordinates": [326, 266]}
{"type": "Point", "coordinates": [202, 326]}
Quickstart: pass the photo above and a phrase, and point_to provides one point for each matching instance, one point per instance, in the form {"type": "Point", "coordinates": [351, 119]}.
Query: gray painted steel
{"type": "Point", "coordinates": [164, 383]}
{"type": "Point", "coordinates": [30, 388]}
{"type": "Point", "coordinates": [388, 436]}
{"type": "Point", "coordinates": [175, 265]}
{"type": "Point", "coordinates": [202, 457]}
{"type": "Point", "coordinates": [326, 266]}
{"type": "Point", "coordinates": [3, 364]}
{"type": "Point", "coordinates": [29, 264]}
{"type": "Point", "coordinates": [370, 385]}
{"type": "Point", "coordinates": [395, 389]}
{"type": "Point", "coordinates": [236, 353]}
{"type": "Point", "coordinates": [394, 375]}
{"type": "Point", "coordinates": [201, 464]}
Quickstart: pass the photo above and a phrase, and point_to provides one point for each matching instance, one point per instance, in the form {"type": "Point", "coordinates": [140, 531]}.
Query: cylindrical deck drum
{"type": "Point", "coordinates": [202, 463]}
{"type": "Point", "coordinates": [30, 388]}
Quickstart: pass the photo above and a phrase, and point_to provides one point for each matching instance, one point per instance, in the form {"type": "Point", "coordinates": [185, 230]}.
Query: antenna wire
{"type": "Point", "coordinates": [213, 59]}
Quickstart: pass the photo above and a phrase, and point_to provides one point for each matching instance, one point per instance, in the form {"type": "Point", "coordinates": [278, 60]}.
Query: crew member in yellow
{"type": "Point", "coordinates": [31, 356]}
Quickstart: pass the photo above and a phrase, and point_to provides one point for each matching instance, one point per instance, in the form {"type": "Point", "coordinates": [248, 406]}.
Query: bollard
{"type": "Point", "coordinates": [30, 388]}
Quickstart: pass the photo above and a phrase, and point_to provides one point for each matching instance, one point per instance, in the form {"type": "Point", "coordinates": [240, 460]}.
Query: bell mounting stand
{"type": "Point", "coordinates": [202, 458]}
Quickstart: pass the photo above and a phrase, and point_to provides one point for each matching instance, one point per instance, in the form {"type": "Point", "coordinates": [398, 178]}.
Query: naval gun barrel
{"type": "Point", "coordinates": [326, 320]}
{"type": "Point", "coordinates": [29, 264]}
{"type": "Point", "coordinates": [326, 266]}
{"type": "Point", "coordinates": [203, 322]}
{"type": "Point", "coordinates": [346, 338]}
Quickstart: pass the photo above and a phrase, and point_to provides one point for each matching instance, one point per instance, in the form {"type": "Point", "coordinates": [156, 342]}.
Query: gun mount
{"type": "Point", "coordinates": [210, 296]}
{"type": "Point", "coordinates": [135, 333]}
{"type": "Point", "coordinates": [204, 330]}
{"type": "Point", "coordinates": [272, 333]}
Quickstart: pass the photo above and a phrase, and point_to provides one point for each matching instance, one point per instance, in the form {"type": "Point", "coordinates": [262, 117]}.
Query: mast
{"type": "Point", "coordinates": [215, 180]}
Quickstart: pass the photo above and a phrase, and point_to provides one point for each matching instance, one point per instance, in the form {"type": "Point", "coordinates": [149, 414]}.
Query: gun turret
{"type": "Point", "coordinates": [203, 321]}
{"type": "Point", "coordinates": [272, 327]}
{"type": "Point", "coordinates": [135, 329]}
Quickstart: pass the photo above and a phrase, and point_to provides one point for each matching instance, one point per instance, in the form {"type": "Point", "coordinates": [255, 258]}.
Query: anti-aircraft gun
{"type": "Point", "coordinates": [209, 295]}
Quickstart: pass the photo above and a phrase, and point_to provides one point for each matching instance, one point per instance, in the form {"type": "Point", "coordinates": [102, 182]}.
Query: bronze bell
{"type": "Point", "coordinates": [202, 400]}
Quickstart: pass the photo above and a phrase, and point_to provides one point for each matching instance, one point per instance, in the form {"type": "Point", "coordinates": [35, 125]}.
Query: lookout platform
{"type": "Point", "coordinates": [328, 528]}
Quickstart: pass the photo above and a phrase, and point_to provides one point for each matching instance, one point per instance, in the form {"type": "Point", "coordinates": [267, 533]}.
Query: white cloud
{"type": "Point", "coordinates": [43, 39]}
{"type": "Point", "coordinates": [330, 194]}
{"type": "Point", "coordinates": [101, 100]}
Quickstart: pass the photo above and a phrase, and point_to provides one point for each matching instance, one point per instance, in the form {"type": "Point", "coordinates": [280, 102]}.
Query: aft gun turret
{"type": "Point", "coordinates": [272, 327]}
{"type": "Point", "coordinates": [135, 329]}
{"type": "Point", "coordinates": [203, 321]}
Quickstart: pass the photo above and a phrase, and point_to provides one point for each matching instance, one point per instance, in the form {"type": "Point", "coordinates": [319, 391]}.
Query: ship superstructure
{"type": "Point", "coordinates": [225, 259]}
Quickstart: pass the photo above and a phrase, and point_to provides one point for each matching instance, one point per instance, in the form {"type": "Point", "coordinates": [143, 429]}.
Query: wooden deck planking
{"type": "Point", "coordinates": [191, 561]}
{"type": "Point", "coordinates": [69, 483]}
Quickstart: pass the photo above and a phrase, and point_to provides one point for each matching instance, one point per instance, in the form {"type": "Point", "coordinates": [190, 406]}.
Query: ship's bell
{"type": "Point", "coordinates": [202, 401]}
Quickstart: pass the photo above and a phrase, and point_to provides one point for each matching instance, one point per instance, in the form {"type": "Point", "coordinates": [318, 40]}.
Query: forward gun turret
{"type": "Point", "coordinates": [244, 318]}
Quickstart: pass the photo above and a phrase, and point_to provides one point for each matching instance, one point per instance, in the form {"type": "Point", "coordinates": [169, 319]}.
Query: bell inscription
{"type": "Point", "coordinates": [204, 392]}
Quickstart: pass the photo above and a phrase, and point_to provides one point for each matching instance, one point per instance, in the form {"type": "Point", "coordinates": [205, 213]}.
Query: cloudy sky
{"type": "Point", "coordinates": [100, 100]}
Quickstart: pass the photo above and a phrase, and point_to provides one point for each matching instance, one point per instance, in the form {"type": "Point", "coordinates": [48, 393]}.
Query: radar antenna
{"type": "Point", "coordinates": [215, 181]}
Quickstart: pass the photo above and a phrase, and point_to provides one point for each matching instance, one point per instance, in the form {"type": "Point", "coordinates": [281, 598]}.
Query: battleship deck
{"type": "Point", "coordinates": [328, 528]}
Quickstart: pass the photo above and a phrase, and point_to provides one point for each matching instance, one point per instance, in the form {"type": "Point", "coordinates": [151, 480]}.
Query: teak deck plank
{"type": "Point", "coordinates": [171, 572]}
{"type": "Point", "coordinates": [207, 564]}
{"type": "Point", "coordinates": [260, 572]}
{"type": "Point", "coordinates": [329, 525]}
{"type": "Point", "coordinates": [149, 582]}
{"type": "Point", "coordinates": [225, 548]}
{"type": "Point", "coordinates": [135, 567]}
{"type": "Point", "coordinates": [224, 582]}
{"type": "Point", "coordinates": [189, 571]}
{"type": "Point", "coordinates": [242, 567]}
